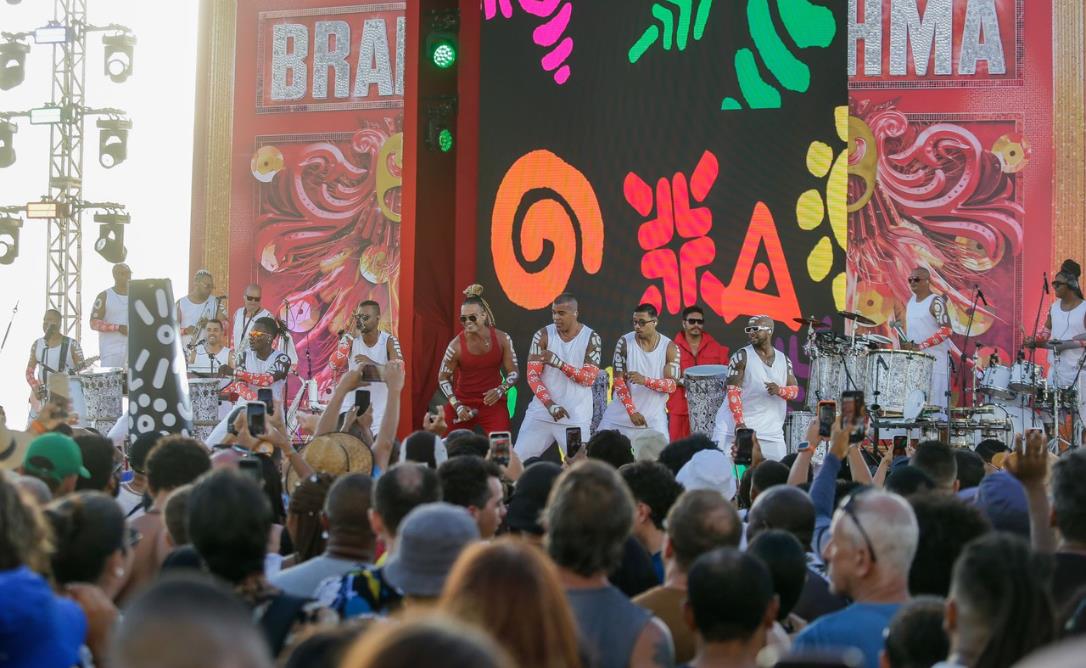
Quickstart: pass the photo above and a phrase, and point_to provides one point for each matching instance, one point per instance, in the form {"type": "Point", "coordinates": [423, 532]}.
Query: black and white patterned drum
{"type": "Point", "coordinates": [829, 378]}
{"type": "Point", "coordinates": [795, 428]}
{"type": "Point", "coordinates": [157, 396]}
{"type": "Point", "coordinates": [204, 394]}
{"type": "Point", "coordinates": [599, 399]}
{"type": "Point", "coordinates": [102, 390]}
{"type": "Point", "coordinates": [896, 374]}
{"type": "Point", "coordinates": [704, 385]}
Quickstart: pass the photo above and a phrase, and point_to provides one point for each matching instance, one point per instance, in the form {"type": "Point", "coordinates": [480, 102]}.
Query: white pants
{"type": "Point", "coordinates": [657, 424]}
{"type": "Point", "coordinates": [537, 435]}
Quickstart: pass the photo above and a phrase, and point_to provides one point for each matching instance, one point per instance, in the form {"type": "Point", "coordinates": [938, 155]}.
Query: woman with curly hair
{"type": "Point", "coordinates": [478, 369]}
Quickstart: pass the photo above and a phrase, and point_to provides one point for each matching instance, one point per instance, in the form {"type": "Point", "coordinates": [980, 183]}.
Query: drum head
{"type": "Point", "coordinates": [706, 370]}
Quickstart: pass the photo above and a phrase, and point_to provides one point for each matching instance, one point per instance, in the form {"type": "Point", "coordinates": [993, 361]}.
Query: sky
{"type": "Point", "coordinates": [154, 182]}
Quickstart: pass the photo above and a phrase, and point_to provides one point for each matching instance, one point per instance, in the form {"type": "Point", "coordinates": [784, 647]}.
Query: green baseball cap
{"type": "Point", "coordinates": [54, 456]}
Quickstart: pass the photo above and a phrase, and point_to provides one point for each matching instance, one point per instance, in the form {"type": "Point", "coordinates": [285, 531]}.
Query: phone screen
{"type": "Point", "coordinates": [250, 466]}
{"type": "Point", "coordinates": [499, 447]}
{"type": "Point", "coordinates": [254, 414]}
{"type": "Point", "coordinates": [853, 413]}
{"type": "Point", "coordinates": [827, 413]}
{"type": "Point", "coordinates": [361, 401]}
{"type": "Point", "coordinates": [264, 396]}
{"type": "Point", "coordinates": [573, 441]}
{"type": "Point", "coordinates": [900, 443]}
{"type": "Point", "coordinates": [744, 446]}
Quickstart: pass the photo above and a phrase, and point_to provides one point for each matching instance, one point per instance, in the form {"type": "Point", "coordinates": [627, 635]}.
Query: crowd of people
{"type": "Point", "coordinates": [441, 551]}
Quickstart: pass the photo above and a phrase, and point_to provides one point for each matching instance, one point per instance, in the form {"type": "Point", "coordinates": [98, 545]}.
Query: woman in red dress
{"type": "Point", "coordinates": [478, 369]}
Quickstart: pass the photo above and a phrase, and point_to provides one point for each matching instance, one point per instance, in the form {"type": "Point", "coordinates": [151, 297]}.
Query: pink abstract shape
{"type": "Point", "coordinates": [490, 8]}
{"type": "Point", "coordinates": [548, 33]}
{"type": "Point", "coordinates": [562, 75]}
{"type": "Point", "coordinates": [539, 7]}
{"type": "Point", "coordinates": [558, 54]}
{"type": "Point", "coordinates": [677, 270]}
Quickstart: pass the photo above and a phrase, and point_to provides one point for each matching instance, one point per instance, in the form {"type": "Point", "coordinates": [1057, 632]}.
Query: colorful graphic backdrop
{"type": "Point", "coordinates": [677, 152]}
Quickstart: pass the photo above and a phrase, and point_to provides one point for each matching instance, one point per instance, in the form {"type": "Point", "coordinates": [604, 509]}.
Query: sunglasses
{"type": "Point", "coordinates": [915, 279]}
{"type": "Point", "coordinates": [250, 298]}
{"type": "Point", "coordinates": [258, 334]}
{"type": "Point", "coordinates": [695, 321]}
{"type": "Point", "coordinates": [365, 318]}
{"type": "Point", "coordinates": [469, 318]}
{"type": "Point", "coordinates": [1057, 284]}
{"type": "Point", "coordinates": [755, 328]}
{"type": "Point", "coordinates": [642, 323]}
{"type": "Point", "coordinates": [849, 510]}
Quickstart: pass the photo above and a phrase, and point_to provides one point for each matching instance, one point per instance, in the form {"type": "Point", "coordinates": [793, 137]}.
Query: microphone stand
{"type": "Point", "coordinates": [7, 331]}
{"type": "Point", "coordinates": [1033, 350]}
{"type": "Point", "coordinates": [965, 350]}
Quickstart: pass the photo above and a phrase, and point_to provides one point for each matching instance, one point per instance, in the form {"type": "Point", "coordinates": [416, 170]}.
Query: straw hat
{"type": "Point", "coordinates": [336, 453]}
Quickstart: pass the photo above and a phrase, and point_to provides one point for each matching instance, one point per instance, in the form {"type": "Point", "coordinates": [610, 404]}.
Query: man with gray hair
{"type": "Point", "coordinates": [759, 386]}
{"type": "Point", "coordinates": [700, 521]}
{"type": "Point", "coordinates": [586, 545]}
{"type": "Point", "coordinates": [873, 539]}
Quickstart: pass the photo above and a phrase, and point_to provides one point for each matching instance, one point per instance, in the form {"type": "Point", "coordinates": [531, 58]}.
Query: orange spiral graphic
{"type": "Point", "coordinates": [546, 225]}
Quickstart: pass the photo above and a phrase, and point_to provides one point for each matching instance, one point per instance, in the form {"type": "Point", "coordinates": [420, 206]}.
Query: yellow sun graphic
{"type": "Point", "coordinates": [815, 206]}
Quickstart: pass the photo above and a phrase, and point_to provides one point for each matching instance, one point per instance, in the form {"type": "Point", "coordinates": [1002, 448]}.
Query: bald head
{"type": "Point", "coordinates": [786, 508]}
{"type": "Point", "coordinates": [347, 505]}
{"type": "Point", "coordinates": [700, 521]}
{"type": "Point", "coordinates": [890, 524]}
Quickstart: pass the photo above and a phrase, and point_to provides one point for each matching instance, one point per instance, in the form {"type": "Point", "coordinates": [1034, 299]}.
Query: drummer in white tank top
{"type": "Point", "coordinates": [927, 325]}
{"type": "Point", "coordinates": [109, 317]}
{"type": "Point", "coordinates": [646, 366]}
{"type": "Point", "coordinates": [759, 385]}
{"type": "Point", "coordinates": [563, 363]}
{"type": "Point", "coordinates": [1067, 320]}
{"type": "Point", "coordinates": [370, 347]}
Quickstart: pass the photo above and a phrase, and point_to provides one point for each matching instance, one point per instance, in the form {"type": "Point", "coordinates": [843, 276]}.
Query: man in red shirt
{"type": "Point", "coordinates": [696, 347]}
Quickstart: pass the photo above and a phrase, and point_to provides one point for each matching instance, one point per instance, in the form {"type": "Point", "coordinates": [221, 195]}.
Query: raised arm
{"type": "Point", "coordinates": [393, 375]}
{"type": "Point", "coordinates": [340, 360]}
{"type": "Point", "coordinates": [737, 370]}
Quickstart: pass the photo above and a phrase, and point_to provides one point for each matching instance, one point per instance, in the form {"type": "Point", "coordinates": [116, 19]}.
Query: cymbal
{"type": "Point", "coordinates": [811, 321]}
{"type": "Point", "coordinates": [857, 318]}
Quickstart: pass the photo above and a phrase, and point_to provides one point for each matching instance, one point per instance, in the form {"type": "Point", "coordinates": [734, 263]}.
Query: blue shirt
{"type": "Point", "coordinates": [860, 625]}
{"type": "Point", "coordinates": [37, 627]}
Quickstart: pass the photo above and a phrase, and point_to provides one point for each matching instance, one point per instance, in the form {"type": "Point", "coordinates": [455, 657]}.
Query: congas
{"type": "Point", "coordinates": [704, 385]}
{"type": "Point", "coordinates": [599, 399]}
{"type": "Point", "coordinates": [894, 375]}
{"type": "Point", "coordinates": [102, 390]}
{"type": "Point", "coordinates": [832, 375]}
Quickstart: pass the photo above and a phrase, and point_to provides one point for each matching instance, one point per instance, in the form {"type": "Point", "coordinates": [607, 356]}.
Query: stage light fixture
{"type": "Point", "coordinates": [442, 44]}
{"type": "Point", "coordinates": [53, 33]}
{"type": "Point", "coordinates": [12, 64]}
{"type": "Point", "coordinates": [50, 114]}
{"type": "Point", "coordinates": [110, 243]}
{"type": "Point", "coordinates": [112, 218]}
{"type": "Point", "coordinates": [7, 145]}
{"type": "Point", "coordinates": [113, 141]}
{"type": "Point", "coordinates": [440, 123]}
{"type": "Point", "coordinates": [47, 209]}
{"type": "Point", "coordinates": [9, 238]}
{"type": "Point", "coordinates": [118, 65]}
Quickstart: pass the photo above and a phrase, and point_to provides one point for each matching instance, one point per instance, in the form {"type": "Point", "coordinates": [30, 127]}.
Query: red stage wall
{"type": "Point", "coordinates": [951, 163]}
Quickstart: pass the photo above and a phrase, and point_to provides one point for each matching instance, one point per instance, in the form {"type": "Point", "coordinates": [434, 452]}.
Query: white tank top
{"type": "Point", "coordinates": [192, 313]}
{"type": "Point", "coordinates": [51, 358]}
{"type": "Point", "coordinates": [576, 399]}
{"type": "Point", "coordinates": [378, 352]}
{"type": "Point", "coordinates": [254, 364]}
{"type": "Point", "coordinates": [113, 346]}
{"type": "Point", "coordinates": [650, 404]}
{"type": "Point", "coordinates": [762, 411]}
{"type": "Point", "coordinates": [205, 362]}
{"type": "Point", "coordinates": [1066, 325]}
{"type": "Point", "coordinates": [920, 324]}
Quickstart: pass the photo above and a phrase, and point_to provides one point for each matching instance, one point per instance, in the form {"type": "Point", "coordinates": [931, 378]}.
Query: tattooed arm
{"type": "Point", "coordinates": [340, 360]}
{"type": "Point", "coordinates": [392, 348]}
{"type": "Point", "coordinates": [654, 647]}
{"type": "Point", "coordinates": [622, 390]}
{"type": "Point", "coordinates": [31, 373]}
{"type": "Point", "coordinates": [510, 366]}
{"type": "Point", "coordinates": [278, 372]}
{"type": "Point", "coordinates": [667, 384]}
{"type": "Point", "coordinates": [449, 364]}
{"type": "Point", "coordinates": [535, 375]}
{"type": "Point", "coordinates": [737, 370]}
{"type": "Point", "coordinates": [586, 374]}
{"type": "Point", "coordinates": [98, 317]}
{"type": "Point", "coordinates": [939, 312]}
{"type": "Point", "coordinates": [790, 390]}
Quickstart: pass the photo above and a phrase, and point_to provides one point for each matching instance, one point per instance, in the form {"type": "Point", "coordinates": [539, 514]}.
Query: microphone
{"type": "Point", "coordinates": [1046, 282]}
{"type": "Point", "coordinates": [980, 296]}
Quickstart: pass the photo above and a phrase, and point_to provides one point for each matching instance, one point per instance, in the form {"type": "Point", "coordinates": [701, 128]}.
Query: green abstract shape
{"type": "Point", "coordinates": [511, 400]}
{"type": "Point", "coordinates": [808, 24]}
{"type": "Point", "coordinates": [757, 93]}
{"type": "Point", "coordinates": [789, 70]}
{"type": "Point", "coordinates": [730, 104]}
{"type": "Point", "coordinates": [702, 18]}
{"type": "Point", "coordinates": [647, 39]}
{"type": "Point", "coordinates": [661, 14]}
{"type": "Point", "coordinates": [683, 31]}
